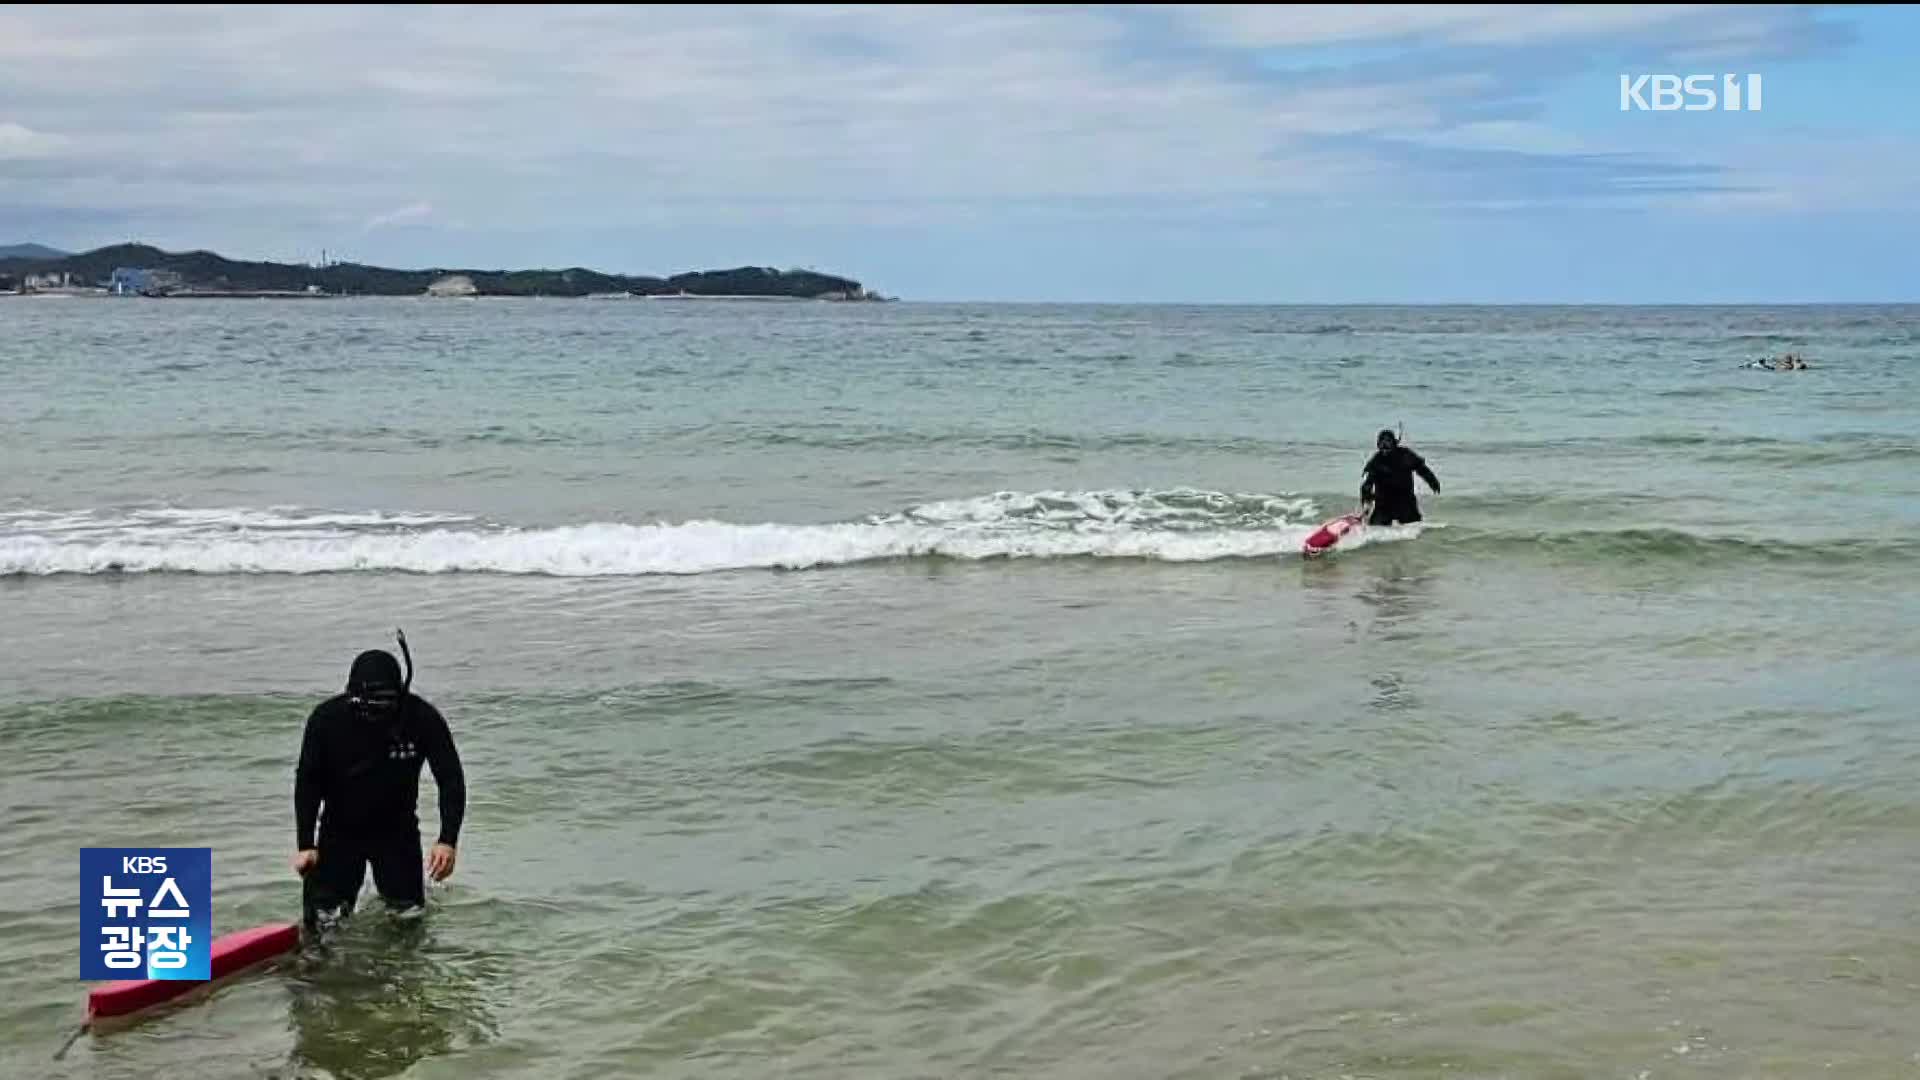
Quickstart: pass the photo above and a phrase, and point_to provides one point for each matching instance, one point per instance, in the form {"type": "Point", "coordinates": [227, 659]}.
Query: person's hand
{"type": "Point", "coordinates": [306, 861]}
{"type": "Point", "coordinates": [440, 861]}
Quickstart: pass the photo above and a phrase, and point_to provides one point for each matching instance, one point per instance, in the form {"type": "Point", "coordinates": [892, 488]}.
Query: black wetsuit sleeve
{"type": "Point", "coordinates": [1366, 480]}
{"type": "Point", "coordinates": [307, 784]}
{"type": "Point", "coordinates": [448, 775]}
{"type": "Point", "coordinates": [1420, 466]}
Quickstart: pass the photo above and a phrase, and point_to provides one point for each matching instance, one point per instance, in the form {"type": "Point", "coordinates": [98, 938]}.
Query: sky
{"type": "Point", "coordinates": [1145, 153]}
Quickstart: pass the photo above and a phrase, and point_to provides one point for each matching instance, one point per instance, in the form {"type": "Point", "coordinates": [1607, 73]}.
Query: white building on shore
{"type": "Point", "coordinates": [453, 285]}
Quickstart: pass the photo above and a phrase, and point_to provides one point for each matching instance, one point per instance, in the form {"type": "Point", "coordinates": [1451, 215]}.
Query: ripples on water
{"type": "Point", "coordinates": [989, 727]}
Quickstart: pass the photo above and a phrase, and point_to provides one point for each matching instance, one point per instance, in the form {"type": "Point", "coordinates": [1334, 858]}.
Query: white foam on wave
{"type": "Point", "coordinates": [1179, 526]}
{"type": "Point", "coordinates": [293, 516]}
{"type": "Point", "coordinates": [157, 519]}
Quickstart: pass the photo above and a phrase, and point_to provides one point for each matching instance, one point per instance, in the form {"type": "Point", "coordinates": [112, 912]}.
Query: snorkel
{"type": "Point", "coordinates": [406, 683]}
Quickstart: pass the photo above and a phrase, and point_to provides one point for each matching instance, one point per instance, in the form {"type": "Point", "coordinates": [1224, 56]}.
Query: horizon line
{"type": "Point", "coordinates": [1034, 302]}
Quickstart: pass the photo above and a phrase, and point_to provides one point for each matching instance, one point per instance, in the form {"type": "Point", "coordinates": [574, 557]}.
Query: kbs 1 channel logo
{"type": "Point", "coordinates": [1690, 93]}
{"type": "Point", "coordinates": [146, 913]}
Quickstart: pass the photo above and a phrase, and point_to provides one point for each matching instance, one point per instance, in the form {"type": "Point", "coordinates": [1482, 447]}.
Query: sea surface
{"type": "Point", "coordinates": [911, 690]}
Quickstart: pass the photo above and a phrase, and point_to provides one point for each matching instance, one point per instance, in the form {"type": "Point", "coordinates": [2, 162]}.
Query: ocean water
{"type": "Point", "coordinates": [936, 691]}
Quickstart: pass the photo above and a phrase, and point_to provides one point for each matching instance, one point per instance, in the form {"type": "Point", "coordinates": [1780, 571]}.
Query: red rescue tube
{"type": "Point", "coordinates": [1329, 534]}
{"type": "Point", "coordinates": [231, 953]}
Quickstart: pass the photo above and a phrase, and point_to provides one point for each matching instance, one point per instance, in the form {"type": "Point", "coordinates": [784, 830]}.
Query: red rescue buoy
{"type": "Point", "coordinates": [232, 953]}
{"type": "Point", "coordinates": [1329, 534]}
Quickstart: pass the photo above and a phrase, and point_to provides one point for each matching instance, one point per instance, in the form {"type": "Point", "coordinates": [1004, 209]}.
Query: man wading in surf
{"type": "Point", "coordinates": [359, 776]}
{"type": "Point", "coordinates": [1387, 487]}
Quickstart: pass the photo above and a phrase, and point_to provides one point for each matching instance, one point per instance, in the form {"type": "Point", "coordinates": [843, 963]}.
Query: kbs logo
{"type": "Point", "coordinates": [1690, 93]}
{"type": "Point", "coordinates": [146, 913]}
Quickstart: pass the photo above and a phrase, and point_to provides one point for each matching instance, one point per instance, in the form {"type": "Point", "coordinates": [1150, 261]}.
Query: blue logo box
{"type": "Point", "coordinates": [146, 913]}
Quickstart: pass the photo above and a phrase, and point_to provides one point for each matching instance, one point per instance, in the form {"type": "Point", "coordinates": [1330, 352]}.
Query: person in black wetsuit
{"type": "Point", "coordinates": [1387, 484]}
{"type": "Point", "coordinates": [359, 778]}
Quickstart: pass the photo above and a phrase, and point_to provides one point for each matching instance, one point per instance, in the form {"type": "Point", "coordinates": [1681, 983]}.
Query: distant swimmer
{"type": "Point", "coordinates": [1387, 487]}
{"type": "Point", "coordinates": [359, 778]}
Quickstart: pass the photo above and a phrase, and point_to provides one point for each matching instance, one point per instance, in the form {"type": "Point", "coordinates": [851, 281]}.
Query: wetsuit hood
{"type": "Point", "coordinates": [374, 669]}
{"type": "Point", "coordinates": [375, 686]}
{"type": "Point", "coordinates": [1386, 440]}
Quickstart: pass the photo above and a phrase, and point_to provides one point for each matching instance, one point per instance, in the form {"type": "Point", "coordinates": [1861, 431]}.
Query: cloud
{"type": "Point", "coordinates": [413, 212]}
{"type": "Point", "coordinates": [19, 142]}
{"type": "Point", "coordinates": [1690, 26]}
{"type": "Point", "coordinates": [1329, 24]}
{"type": "Point", "coordinates": [578, 117]}
{"type": "Point", "coordinates": [1518, 135]}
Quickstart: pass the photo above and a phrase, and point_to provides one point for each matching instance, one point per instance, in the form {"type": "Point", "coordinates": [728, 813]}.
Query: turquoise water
{"type": "Point", "coordinates": [916, 690]}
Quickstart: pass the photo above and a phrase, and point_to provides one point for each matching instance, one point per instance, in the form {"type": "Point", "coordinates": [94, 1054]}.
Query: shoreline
{"type": "Point", "coordinates": [140, 269]}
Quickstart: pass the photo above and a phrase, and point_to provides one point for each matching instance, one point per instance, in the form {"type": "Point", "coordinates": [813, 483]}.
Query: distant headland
{"type": "Point", "coordinates": [140, 270]}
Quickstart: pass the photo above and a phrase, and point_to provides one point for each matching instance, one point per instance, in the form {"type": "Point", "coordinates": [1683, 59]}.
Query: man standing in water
{"type": "Point", "coordinates": [1387, 486]}
{"type": "Point", "coordinates": [360, 760]}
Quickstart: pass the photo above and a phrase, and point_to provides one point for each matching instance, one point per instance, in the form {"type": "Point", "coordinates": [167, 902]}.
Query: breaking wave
{"type": "Point", "coordinates": [1159, 526]}
{"type": "Point", "coordinates": [1169, 526]}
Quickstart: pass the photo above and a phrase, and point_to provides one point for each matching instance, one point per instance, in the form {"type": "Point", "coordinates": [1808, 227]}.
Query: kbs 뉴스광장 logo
{"type": "Point", "coordinates": [146, 913]}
